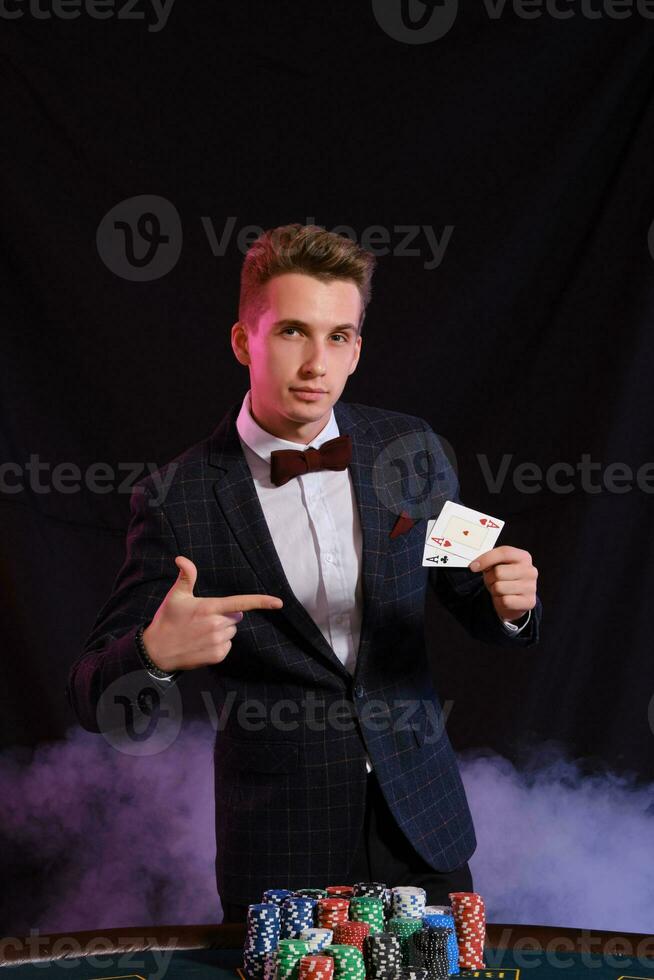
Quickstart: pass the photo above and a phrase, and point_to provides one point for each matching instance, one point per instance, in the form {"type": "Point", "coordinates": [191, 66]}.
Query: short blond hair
{"type": "Point", "coordinates": [307, 249]}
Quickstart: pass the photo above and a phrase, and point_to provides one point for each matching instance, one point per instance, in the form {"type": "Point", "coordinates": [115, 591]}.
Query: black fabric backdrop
{"type": "Point", "coordinates": [531, 138]}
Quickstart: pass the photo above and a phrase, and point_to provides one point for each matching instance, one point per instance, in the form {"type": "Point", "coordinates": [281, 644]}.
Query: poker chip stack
{"type": "Point", "coordinates": [270, 966]}
{"type": "Point", "coordinates": [318, 938]}
{"type": "Point", "coordinates": [412, 973]}
{"type": "Point", "coordinates": [296, 915]}
{"type": "Point", "coordinates": [316, 968]}
{"type": "Point", "coordinates": [441, 915]}
{"type": "Point", "coordinates": [261, 938]}
{"type": "Point", "coordinates": [428, 948]}
{"type": "Point", "coordinates": [348, 962]}
{"type": "Point", "coordinates": [289, 954]}
{"type": "Point", "coordinates": [376, 889]}
{"type": "Point", "coordinates": [366, 931]}
{"type": "Point", "coordinates": [382, 955]}
{"type": "Point", "coordinates": [340, 891]}
{"type": "Point", "coordinates": [403, 926]}
{"type": "Point", "coordinates": [276, 895]}
{"type": "Point", "coordinates": [330, 912]}
{"type": "Point", "coordinates": [351, 934]}
{"type": "Point", "coordinates": [367, 908]}
{"type": "Point", "coordinates": [409, 901]}
{"type": "Point", "coordinates": [470, 921]}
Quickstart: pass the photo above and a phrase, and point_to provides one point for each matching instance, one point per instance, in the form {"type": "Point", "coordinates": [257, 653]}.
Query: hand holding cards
{"type": "Point", "coordinates": [459, 535]}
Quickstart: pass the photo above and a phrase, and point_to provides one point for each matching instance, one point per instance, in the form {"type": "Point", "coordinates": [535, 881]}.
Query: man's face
{"type": "Point", "coordinates": [306, 338]}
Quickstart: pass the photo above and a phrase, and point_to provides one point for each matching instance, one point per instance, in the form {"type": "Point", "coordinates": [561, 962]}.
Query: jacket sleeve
{"type": "Point", "coordinates": [463, 592]}
{"type": "Point", "coordinates": [147, 574]}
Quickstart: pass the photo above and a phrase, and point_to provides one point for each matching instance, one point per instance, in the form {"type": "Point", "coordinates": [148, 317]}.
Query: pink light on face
{"type": "Point", "coordinates": [306, 338]}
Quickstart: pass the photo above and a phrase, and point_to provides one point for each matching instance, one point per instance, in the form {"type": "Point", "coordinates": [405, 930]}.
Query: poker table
{"type": "Point", "coordinates": [512, 952]}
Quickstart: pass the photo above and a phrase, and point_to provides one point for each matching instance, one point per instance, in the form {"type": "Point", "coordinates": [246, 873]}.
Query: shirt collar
{"type": "Point", "coordinates": [262, 442]}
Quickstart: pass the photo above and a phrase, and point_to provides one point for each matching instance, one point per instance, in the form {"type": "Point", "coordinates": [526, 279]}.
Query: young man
{"type": "Point", "coordinates": [277, 561]}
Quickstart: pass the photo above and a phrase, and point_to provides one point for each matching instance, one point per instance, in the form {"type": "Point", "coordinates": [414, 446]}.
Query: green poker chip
{"type": "Point", "coordinates": [403, 926]}
{"type": "Point", "coordinates": [368, 909]}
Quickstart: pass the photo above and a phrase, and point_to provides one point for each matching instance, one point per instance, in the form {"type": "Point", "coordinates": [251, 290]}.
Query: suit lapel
{"type": "Point", "coordinates": [237, 498]}
{"type": "Point", "coordinates": [376, 520]}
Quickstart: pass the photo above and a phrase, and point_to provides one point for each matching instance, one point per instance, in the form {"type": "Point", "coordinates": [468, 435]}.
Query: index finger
{"type": "Point", "coordinates": [496, 556]}
{"type": "Point", "coordinates": [244, 603]}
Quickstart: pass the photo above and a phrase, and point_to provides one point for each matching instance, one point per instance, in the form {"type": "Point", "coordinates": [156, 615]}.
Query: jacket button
{"type": "Point", "coordinates": [358, 691]}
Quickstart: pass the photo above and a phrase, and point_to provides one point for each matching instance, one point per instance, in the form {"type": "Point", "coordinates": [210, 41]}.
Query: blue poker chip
{"type": "Point", "coordinates": [297, 914]}
{"type": "Point", "coordinates": [262, 936]}
{"type": "Point", "coordinates": [442, 916]}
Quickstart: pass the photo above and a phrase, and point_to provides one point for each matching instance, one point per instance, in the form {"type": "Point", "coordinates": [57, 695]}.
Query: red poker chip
{"type": "Point", "coordinates": [316, 967]}
{"type": "Point", "coordinates": [351, 933]}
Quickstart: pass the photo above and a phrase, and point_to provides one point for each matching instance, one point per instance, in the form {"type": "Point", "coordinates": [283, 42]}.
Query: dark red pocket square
{"type": "Point", "coordinates": [403, 524]}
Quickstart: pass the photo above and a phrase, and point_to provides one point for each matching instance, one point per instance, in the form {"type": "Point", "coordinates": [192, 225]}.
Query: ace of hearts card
{"type": "Point", "coordinates": [459, 535]}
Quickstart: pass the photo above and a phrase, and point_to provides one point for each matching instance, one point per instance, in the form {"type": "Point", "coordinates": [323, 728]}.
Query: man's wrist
{"type": "Point", "coordinates": [515, 626]}
{"type": "Point", "coordinates": [145, 658]}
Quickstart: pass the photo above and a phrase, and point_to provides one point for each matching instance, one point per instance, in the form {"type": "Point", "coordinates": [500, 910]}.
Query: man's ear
{"type": "Point", "coordinates": [239, 339]}
{"type": "Point", "coordinates": [358, 343]}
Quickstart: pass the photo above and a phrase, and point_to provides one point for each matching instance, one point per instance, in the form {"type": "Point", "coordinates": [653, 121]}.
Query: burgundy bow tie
{"type": "Point", "coordinates": [335, 454]}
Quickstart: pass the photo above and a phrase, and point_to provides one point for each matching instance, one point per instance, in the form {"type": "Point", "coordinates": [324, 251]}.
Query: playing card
{"type": "Point", "coordinates": [459, 535]}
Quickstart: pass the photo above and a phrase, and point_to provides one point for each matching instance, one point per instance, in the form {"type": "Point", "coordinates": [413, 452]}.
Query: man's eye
{"type": "Point", "coordinates": [333, 335]}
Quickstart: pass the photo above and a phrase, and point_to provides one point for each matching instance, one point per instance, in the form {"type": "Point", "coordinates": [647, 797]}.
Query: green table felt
{"type": "Point", "coordinates": [215, 952]}
{"type": "Point", "coordinates": [559, 964]}
{"type": "Point", "coordinates": [223, 964]}
{"type": "Point", "coordinates": [182, 964]}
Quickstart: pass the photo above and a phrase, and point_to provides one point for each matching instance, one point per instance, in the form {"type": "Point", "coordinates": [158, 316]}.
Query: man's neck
{"type": "Point", "coordinates": [303, 433]}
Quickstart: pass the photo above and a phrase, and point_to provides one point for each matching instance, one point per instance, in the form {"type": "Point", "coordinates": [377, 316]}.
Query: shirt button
{"type": "Point", "coordinates": [358, 690]}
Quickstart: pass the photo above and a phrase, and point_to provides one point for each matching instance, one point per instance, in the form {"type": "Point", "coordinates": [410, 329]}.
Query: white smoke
{"type": "Point", "coordinates": [126, 840]}
{"type": "Point", "coordinates": [559, 848]}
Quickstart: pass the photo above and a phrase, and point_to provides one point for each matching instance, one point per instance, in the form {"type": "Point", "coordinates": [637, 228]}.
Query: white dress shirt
{"type": "Point", "coordinates": [314, 524]}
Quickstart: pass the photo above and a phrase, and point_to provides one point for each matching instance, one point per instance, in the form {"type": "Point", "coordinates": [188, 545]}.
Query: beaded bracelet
{"type": "Point", "coordinates": [143, 654]}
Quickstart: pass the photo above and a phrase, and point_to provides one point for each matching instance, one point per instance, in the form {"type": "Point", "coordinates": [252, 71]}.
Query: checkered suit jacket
{"type": "Point", "coordinates": [290, 797]}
